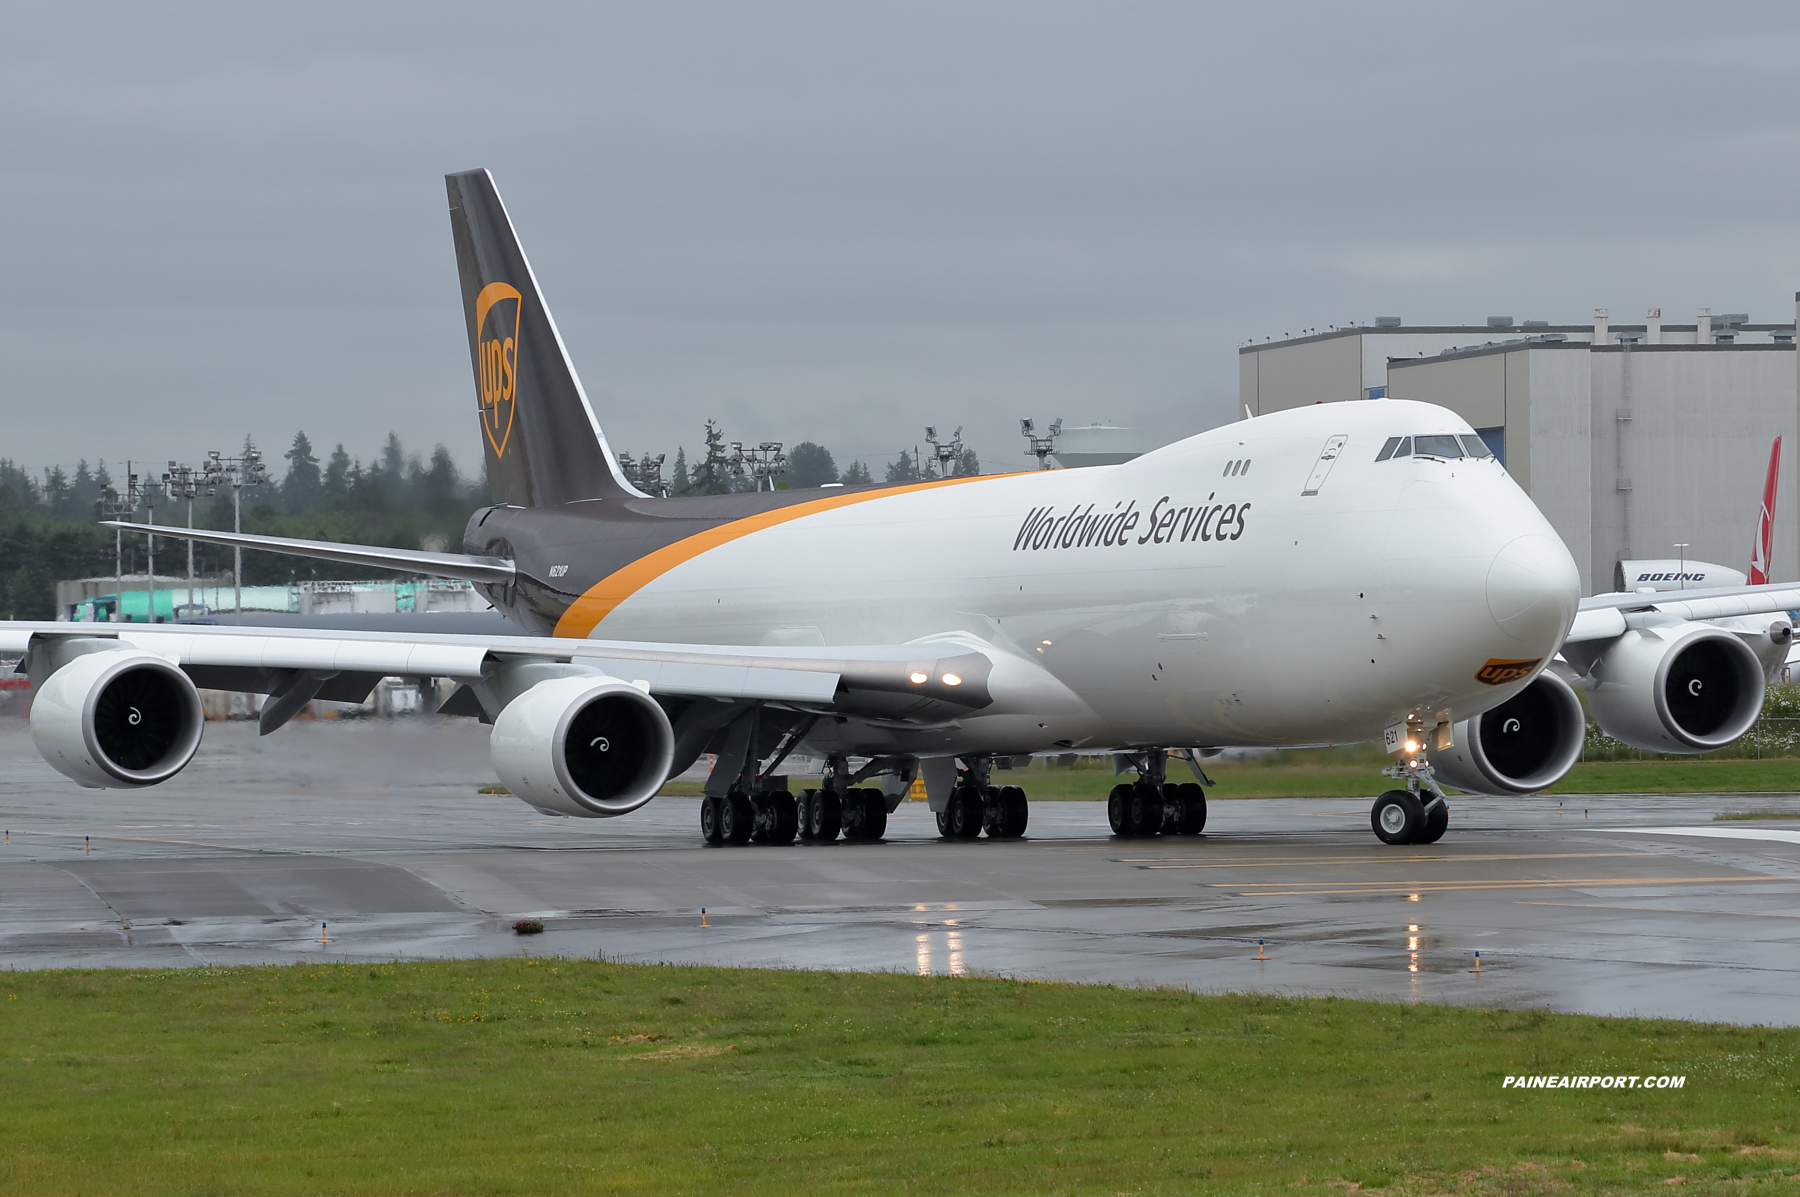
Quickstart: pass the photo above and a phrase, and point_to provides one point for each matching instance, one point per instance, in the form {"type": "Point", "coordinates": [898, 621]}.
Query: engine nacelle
{"type": "Point", "coordinates": [1528, 742]}
{"type": "Point", "coordinates": [1687, 687]}
{"type": "Point", "coordinates": [593, 747]}
{"type": "Point", "coordinates": [117, 719]}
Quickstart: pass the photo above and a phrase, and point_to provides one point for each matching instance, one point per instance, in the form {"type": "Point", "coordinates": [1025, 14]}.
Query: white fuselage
{"type": "Point", "coordinates": [1172, 600]}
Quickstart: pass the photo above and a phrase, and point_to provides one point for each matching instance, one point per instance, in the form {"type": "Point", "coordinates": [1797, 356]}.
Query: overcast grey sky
{"type": "Point", "coordinates": [844, 221]}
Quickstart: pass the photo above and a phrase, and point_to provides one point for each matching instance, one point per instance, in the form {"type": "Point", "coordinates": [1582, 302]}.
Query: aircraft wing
{"type": "Point", "coordinates": [953, 673]}
{"type": "Point", "coordinates": [1604, 615]}
{"type": "Point", "coordinates": [414, 561]}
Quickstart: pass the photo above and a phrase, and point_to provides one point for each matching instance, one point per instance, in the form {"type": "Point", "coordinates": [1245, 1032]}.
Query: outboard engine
{"type": "Point", "coordinates": [1528, 742]}
{"type": "Point", "coordinates": [588, 746]}
{"type": "Point", "coordinates": [1687, 687]}
{"type": "Point", "coordinates": [117, 719]}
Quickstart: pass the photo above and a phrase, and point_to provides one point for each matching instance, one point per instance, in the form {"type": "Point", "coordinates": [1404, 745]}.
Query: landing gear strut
{"type": "Point", "coordinates": [1419, 814]}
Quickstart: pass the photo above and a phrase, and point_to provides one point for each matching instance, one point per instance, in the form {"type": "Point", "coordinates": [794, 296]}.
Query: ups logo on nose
{"type": "Point", "coordinates": [1498, 672]}
{"type": "Point", "coordinates": [497, 360]}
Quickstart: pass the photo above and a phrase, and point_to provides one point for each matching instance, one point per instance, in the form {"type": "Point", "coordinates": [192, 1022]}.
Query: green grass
{"type": "Point", "coordinates": [554, 1076]}
{"type": "Point", "coordinates": [1733, 816]}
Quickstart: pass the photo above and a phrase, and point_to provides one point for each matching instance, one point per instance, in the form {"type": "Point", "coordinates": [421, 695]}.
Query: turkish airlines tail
{"type": "Point", "coordinates": [1765, 522]}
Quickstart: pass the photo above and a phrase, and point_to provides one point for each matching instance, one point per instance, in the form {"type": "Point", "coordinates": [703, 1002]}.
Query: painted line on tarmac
{"type": "Point", "coordinates": [1248, 888]}
{"type": "Point", "coordinates": [1247, 862]}
{"type": "Point", "coordinates": [1775, 834]}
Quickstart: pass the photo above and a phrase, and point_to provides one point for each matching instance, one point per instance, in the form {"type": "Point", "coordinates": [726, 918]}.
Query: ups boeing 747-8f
{"type": "Point", "coordinates": [1329, 574]}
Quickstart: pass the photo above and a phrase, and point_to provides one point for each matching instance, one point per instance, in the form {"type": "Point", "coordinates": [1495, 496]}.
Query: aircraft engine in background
{"type": "Point", "coordinates": [1688, 687]}
{"type": "Point", "coordinates": [117, 719]}
{"type": "Point", "coordinates": [1521, 746]}
{"type": "Point", "coordinates": [592, 747]}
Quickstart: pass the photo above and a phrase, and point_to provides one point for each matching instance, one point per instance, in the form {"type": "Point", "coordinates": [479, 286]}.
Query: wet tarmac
{"type": "Point", "coordinates": [1635, 905]}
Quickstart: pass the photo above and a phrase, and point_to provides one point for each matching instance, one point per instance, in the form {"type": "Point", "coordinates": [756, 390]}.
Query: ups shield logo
{"type": "Point", "coordinates": [1498, 672]}
{"type": "Point", "coordinates": [497, 360]}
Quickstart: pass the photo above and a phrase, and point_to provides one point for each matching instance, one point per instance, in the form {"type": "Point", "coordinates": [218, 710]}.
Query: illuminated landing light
{"type": "Point", "coordinates": [950, 679]}
{"type": "Point", "coordinates": [1412, 746]}
{"type": "Point", "coordinates": [919, 679]}
{"type": "Point", "coordinates": [1046, 644]}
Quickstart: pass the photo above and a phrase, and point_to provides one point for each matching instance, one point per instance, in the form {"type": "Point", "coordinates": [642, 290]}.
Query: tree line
{"type": "Point", "coordinates": [49, 529]}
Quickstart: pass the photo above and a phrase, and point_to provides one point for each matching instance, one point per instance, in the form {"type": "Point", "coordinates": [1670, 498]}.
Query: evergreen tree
{"type": "Point", "coordinates": [903, 470]}
{"type": "Point", "coordinates": [858, 475]}
{"type": "Point", "coordinates": [712, 476]}
{"type": "Point", "coordinates": [968, 465]}
{"type": "Point", "coordinates": [84, 491]}
{"type": "Point", "coordinates": [303, 486]}
{"type": "Point", "coordinates": [56, 491]}
{"type": "Point", "coordinates": [810, 465]}
{"type": "Point", "coordinates": [438, 483]}
{"type": "Point", "coordinates": [337, 477]}
{"type": "Point", "coordinates": [678, 479]}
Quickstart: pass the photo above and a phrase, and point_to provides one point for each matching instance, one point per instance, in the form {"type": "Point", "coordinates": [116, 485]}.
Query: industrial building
{"type": "Point", "coordinates": [1632, 439]}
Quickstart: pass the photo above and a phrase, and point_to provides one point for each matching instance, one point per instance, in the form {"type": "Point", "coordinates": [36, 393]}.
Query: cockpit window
{"type": "Point", "coordinates": [1444, 445]}
{"type": "Point", "coordinates": [1476, 446]}
{"type": "Point", "coordinates": [1387, 450]}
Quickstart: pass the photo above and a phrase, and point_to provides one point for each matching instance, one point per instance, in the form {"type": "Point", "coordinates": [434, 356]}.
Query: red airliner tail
{"type": "Point", "coordinates": [1765, 522]}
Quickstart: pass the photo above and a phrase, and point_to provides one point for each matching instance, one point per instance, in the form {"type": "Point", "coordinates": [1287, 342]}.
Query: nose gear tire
{"type": "Point", "coordinates": [1398, 817]}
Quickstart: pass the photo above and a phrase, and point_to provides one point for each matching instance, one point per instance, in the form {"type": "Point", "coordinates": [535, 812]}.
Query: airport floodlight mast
{"type": "Point", "coordinates": [764, 461]}
{"type": "Point", "coordinates": [1041, 446]}
{"type": "Point", "coordinates": [645, 473]}
{"type": "Point", "coordinates": [237, 473]}
{"type": "Point", "coordinates": [114, 506]}
{"type": "Point", "coordinates": [185, 482]}
{"type": "Point", "coordinates": [948, 454]}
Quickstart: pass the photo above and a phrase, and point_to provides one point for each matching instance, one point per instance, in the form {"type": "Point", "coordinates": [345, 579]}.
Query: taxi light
{"type": "Point", "coordinates": [950, 679]}
{"type": "Point", "coordinates": [918, 679]}
{"type": "Point", "coordinates": [1412, 746]}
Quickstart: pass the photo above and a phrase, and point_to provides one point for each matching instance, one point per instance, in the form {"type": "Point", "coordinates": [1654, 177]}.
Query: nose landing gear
{"type": "Point", "coordinates": [1419, 814]}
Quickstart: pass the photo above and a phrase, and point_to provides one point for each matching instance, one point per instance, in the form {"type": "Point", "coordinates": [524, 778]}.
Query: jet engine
{"type": "Point", "coordinates": [117, 719]}
{"type": "Point", "coordinates": [593, 747]}
{"type": "Point", "coordinates": [1687, 687]}
{"type": "Point", "coordinates": [1521, 746]}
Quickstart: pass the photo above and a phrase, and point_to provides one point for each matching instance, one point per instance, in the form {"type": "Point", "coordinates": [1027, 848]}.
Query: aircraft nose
{"type": "Point", "coordinates": [1532, 591]}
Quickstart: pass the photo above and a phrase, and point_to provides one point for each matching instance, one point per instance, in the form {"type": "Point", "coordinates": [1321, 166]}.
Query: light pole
{"type": "Point", "coordinates": [184, 482]}
{"type": "Point", "coordinates": [947, 454]}
{"type": "Point", "coordinates": [764, 461]}
{"type": "Point", "coordinates": [113, 506]}
{"type": "Point", "coordinates": [237, 473]}
{"type": "Point", "coordinates": [1041, 446]}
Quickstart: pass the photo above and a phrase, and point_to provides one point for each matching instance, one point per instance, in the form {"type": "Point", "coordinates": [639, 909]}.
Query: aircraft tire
{"type": "Point", "coordinates": [875, 815]}
{"type": "Point", "coordinates": [943, 821]}
{"type": "Point", "coordinates": [1145, 809]}
{"type": "Point", "coordinates": [787, 819]}
{"type": "Point", "coordinates": [1184, 809]}
{"type": "Point", "coordinates": [993, 813]}
{"type": "Point", "coordinates": [1397, 817]}
{"type": "Point", "coordinates": [855, 814]}
{"type": "Point", "coordinates": [762, 830]}
{"type": "Point", "coordinates": [1193, 818]}
{"type": "Point", "coordinates": [1437, 821]}
{"type": "Point", "coordinates": [1118, 809]}
{"type": "Point", "coordinates": [737, 818]}
{"type": "Point", "coordinates": [1017, 811]}
{"type": "Point", "coordinates": [828, 816]}
{"type": "Point", "coordinates": [711, 819]}
{"type": "Point", "coordinates": [964, 815]}
{"type": "Point", "coordinates": [803, 816]}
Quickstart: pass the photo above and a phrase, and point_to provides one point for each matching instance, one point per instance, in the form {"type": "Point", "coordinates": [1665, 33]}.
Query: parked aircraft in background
{"type": "Point", "coordinates": [1321, 575]}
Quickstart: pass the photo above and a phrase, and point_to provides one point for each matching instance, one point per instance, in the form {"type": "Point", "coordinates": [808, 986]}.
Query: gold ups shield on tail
{"type": "Point", "coordinates": [497, 355]}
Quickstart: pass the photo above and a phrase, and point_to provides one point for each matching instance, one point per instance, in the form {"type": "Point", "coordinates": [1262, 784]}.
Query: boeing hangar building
{"type": "Point", "coordinates": [1632, 439]}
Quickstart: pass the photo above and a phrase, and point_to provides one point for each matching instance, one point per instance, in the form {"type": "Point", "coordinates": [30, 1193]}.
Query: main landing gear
{"type": "Point", "coordinates": [975, 806]}
{"type": "Point", "coordinates": [740, 818]}
{"type": "Point", "coordinates": [858, 814]}
{"type": "Point", "coordinates": [1153, 805]}
{"type": "Point", "coordinates": [1416, 815]}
